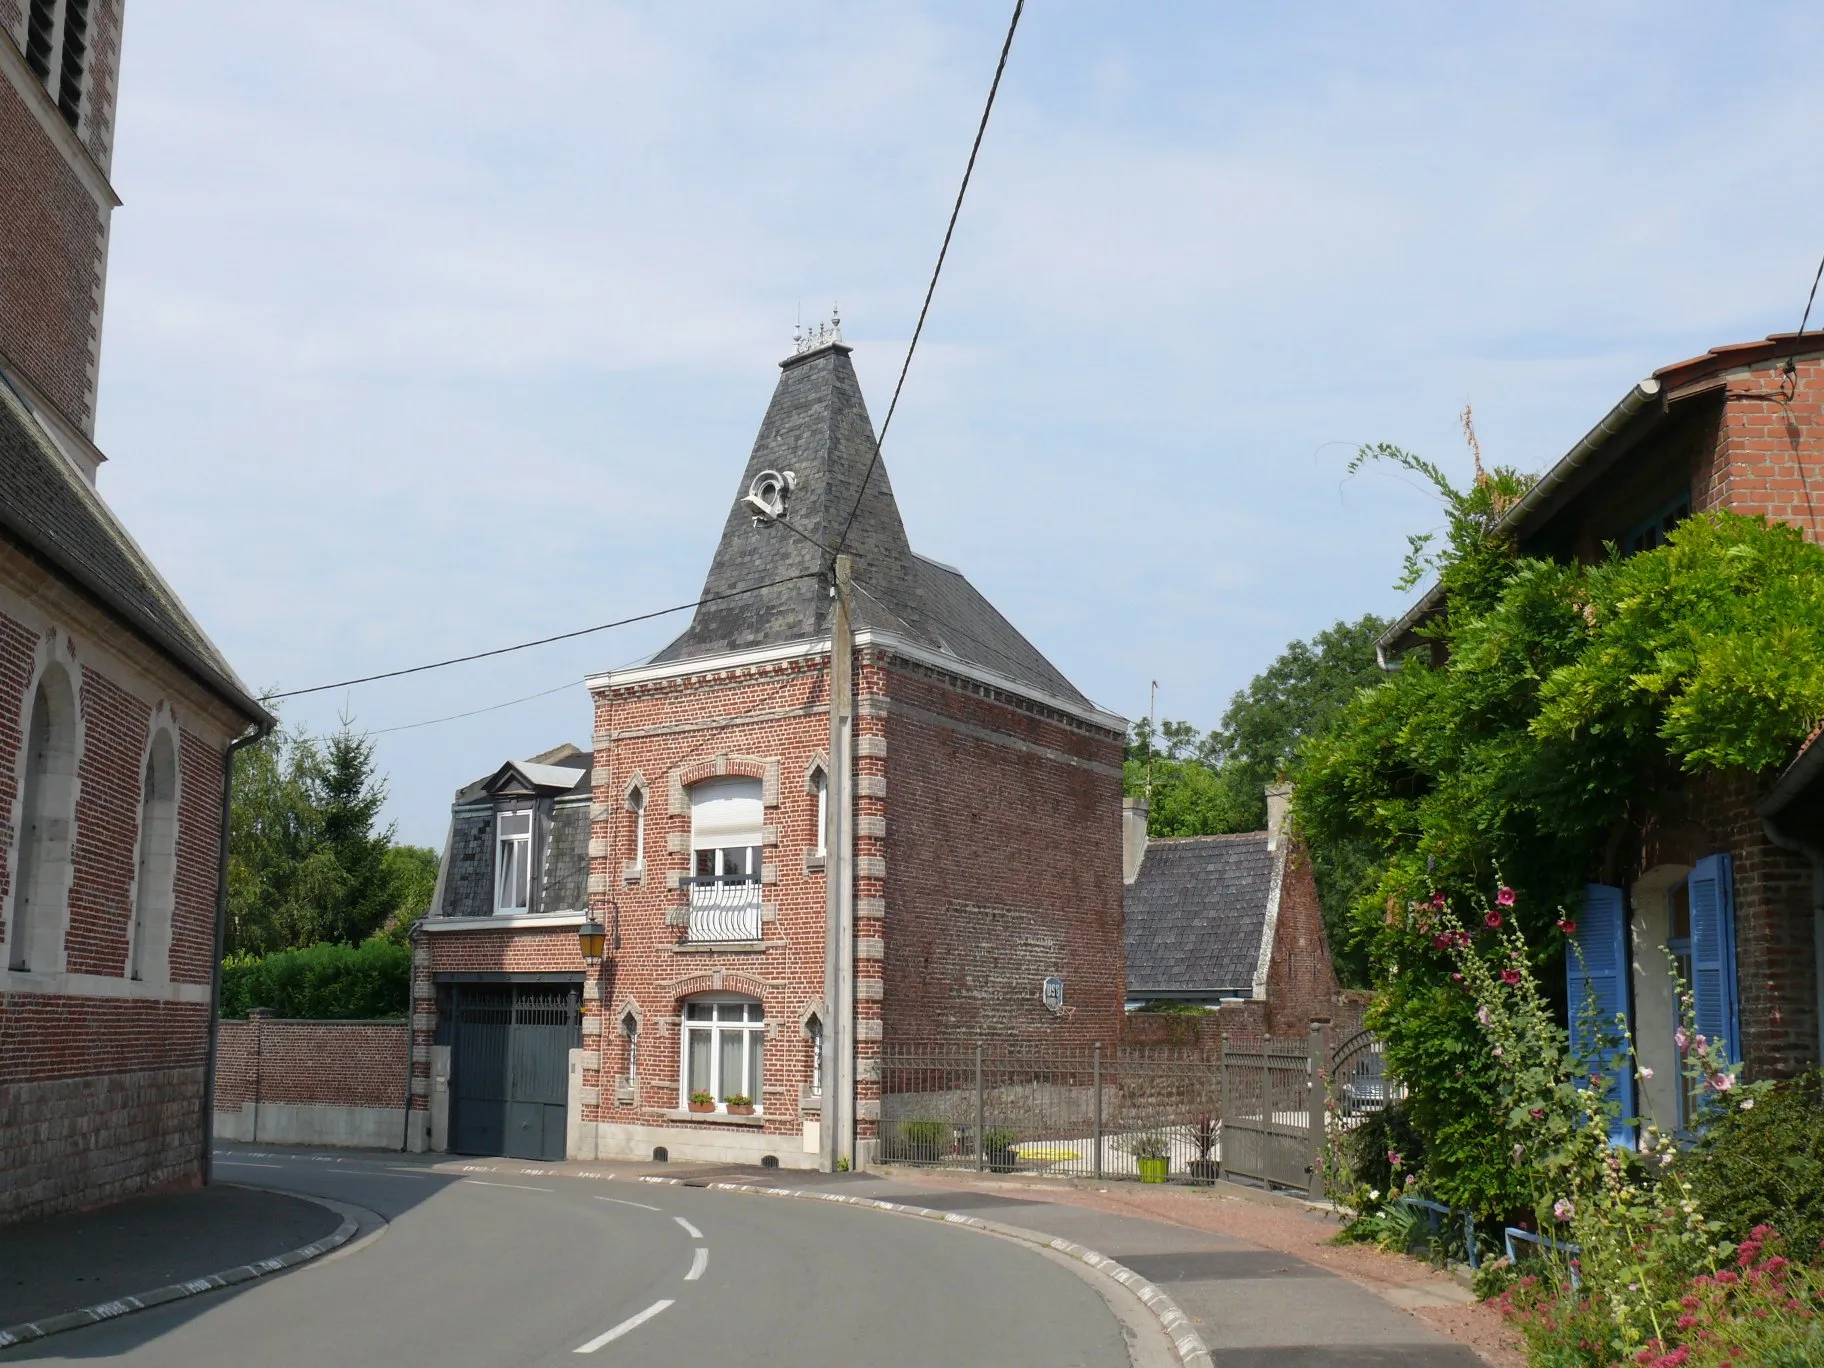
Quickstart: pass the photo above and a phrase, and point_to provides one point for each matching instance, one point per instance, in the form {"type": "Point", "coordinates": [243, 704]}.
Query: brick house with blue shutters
{"type": "Point", "coordinates": [1723, 871]}
{"type": "Point", "coordinates": [985, 828]}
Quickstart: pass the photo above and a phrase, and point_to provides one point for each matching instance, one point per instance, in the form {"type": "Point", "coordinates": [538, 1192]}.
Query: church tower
{"type": "Point", "coordinates": [61, 62]}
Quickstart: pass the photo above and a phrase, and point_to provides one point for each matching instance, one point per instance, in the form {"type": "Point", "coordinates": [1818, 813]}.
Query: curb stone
{"type": "Point", "coordinates": [43, 1328]}
{"type": "Point", "coordinates": [1186, 1342]}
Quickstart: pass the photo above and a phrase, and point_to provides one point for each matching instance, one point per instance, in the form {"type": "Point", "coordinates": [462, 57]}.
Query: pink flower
{"type": "Point", "coordinates": [1681, 1038]}
{"type": "Point", "coordinates": [1702, 1044]}
{"type": "Point", "coordinates": [1492, 920]}
{"type": "Point", "coordinates": [1497, 1052]}
{"type": "Point", "coordinates": [1721, 1082]}
{"type": "Point", "coordinates": [1440, 942]}
{"type": "Point", "coordinates": [1646, 1071]}
{"type": "Point", "coordinates": [1511, 977]}
{"type": "Point", "coordinates": [1566, 925]}
{"type": "Point", "coordinates": [1537, 1113]}
{"type": "Point", "coordinates": [1483, 1016]}
{"type": "Point", "coordinates": [1562, 1210]}
{"type": "Point", "coordinates": [1437, 901]}
{"type": "Point", "coordinates": [1456, 978]}
{"type": "Point", "coordinates": [1505, 898]}
{"type": "Point", "coordinates": [1393, 1158]}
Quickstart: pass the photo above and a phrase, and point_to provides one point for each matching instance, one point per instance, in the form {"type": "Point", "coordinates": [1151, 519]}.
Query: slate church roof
{"type": "Point", "coordinates": [817, 427]}
{"type": "Point", "coordinates": [51, 514]}
{"type": "Point", "coordinates": [1196, 913]}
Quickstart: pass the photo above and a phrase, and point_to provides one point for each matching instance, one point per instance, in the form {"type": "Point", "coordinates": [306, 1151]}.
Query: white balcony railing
{"type": "Point", "coordinates": [721, 910]}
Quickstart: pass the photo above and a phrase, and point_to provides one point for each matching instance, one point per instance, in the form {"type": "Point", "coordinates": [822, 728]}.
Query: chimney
{"type": "Point", "coordinates": [1133, 837]}
{"type": "Point", "coordinates": [1279, 799]}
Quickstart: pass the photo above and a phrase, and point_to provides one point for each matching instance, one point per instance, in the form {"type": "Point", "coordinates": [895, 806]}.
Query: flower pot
{"type": "Point", "coordinates": [702, 1107]}
{"type": "Point", "coordinates": [1154, 1170]}
{"type": "Point", "coordinates": [740, 1108]}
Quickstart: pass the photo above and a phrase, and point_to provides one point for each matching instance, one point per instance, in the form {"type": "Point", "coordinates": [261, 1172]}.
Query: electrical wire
{"type": "Point", "coordinates": [1810, 298]}
{"type": "Point", "coordinates": [476, 712]}
{"type": "Point", "coordinates": [546, 641]}
{"type": "Point", "coordinates": [936, 271]}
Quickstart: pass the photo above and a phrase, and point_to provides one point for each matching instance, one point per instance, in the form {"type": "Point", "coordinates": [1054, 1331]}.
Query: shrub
{"type": "Point", "coordinates": [1764, 1164]}
{"type": "Point", "coordinates": [924, 1137]}
{"type": "Point", "coordinates": [321, 982]}
{"type": "Point", "coordinates": [1369, 1148]}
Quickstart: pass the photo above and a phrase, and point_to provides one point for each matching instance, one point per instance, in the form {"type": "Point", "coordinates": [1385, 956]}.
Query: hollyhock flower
{"type": "Point", "coordinates": [1721, 1082]}
{"type": "Point", "coordinates": [1665, 1159]}
{"type": "Point", "coordinates": [1566, 925]}
{"type": "Point", "coordinates": [1511, 977]}
{"type": "Point", "coordinates": [1437, 901]}
{"type": "Point", "coordinates": [1456, 978]}
{"type": "Point", "coordinates": [1747, 1104]}
{"type": "Point", "coordinates": [1646, 1071]}
{"type": "Point", "coordinates": [1483, 1016]}
{"type": "Point", "coordinates": [1562, 1210]}
{"type": "Point", "coordinates": [1440, 942]}
{"type": "Point", "coordinates": [1537, 1113]}
{"type": "Point", "coordinates": [1497, 1052]}
{"type": "Point", "coordinates": [1393, 1158]}
{"type": "Point", "coordinates": [1505, 898]}
{"type": "Point", "coordinates": [1492, 920]}
{"type": "Point", "coordinates": [1681, 1038]}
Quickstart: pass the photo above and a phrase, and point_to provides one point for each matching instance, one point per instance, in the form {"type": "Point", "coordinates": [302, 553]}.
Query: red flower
{"type": "Point", "coordinates": [1566, 925]}
{"type": "Point", "coordinates": [1511, 977]}
{"type": "Point", "coordinates": [1440, 942]}
{"type": "Point", "coordinates": [1492, 920]}
{"type": "Point", "coordinates": [1437, 901]}
{"type": "Point", "coordinates": [1505, 898]}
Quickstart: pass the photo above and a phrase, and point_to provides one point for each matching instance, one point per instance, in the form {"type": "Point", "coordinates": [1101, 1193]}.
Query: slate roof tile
{"type": "Point", "coordinates": [1195, 915]}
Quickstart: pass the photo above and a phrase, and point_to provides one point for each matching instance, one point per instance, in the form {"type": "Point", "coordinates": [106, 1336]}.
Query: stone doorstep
{"type": "Point", "coordinates": [140, 1301]}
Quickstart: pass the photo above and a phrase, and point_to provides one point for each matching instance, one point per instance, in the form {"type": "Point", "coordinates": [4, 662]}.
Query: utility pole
{"type": "Point", "coordinates": [839, 902]}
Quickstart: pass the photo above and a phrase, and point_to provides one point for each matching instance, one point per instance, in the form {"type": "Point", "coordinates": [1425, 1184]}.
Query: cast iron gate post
{"type": "Point", "coordinates": [978, 1107]}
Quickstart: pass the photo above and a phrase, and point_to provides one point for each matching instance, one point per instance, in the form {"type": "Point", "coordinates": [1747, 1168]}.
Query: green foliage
{"type": "Point", "coordinates": [305, 862]}
{"type": "Point", "coordinates": [924, 1136]}
{"type": "Point", "coordinates": [1369, 1149]}
{"type": "Point", "coordinates": [1172, 1007]}
{"type": "Point", "coordinates": [321, 982]}
{"type": "Point", "coordinates": [1764, 1165]}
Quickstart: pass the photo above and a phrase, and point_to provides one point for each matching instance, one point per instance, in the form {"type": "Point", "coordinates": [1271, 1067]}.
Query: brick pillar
{"type": "Point", "coordinates": [422, 1024]}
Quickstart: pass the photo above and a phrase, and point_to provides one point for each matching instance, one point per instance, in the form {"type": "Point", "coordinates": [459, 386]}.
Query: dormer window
{"type": "Point", "coordinates": [513, 861]}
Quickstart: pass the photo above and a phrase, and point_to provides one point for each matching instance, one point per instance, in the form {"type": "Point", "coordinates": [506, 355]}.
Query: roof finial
{"type": "Point", "coordinates": [823, 335]}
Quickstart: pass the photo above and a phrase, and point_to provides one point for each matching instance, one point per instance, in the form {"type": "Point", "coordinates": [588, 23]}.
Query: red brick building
{"type": "Point", "coordinates": [116, 711]}
{"type": "Point", "coordinates": [985, 825]}
{"type": "Point", "coordinates": [1719, 870]}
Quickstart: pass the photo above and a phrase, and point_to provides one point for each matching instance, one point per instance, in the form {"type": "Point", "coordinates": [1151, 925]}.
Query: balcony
{"type": "Point", "coordinates": [722, 908]}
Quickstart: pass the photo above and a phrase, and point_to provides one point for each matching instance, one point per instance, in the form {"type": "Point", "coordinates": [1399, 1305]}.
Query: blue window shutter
{"type": "Point", "coordinates": [1712, 890]}
{"type": "Point", "coordinates": [1602, 936]}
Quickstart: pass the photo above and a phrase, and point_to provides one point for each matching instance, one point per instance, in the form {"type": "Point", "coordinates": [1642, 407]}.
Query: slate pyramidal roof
{"type": "Point", "coordinates": [817, 427]}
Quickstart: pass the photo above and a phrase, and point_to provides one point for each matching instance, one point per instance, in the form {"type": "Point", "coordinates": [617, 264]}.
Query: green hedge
{"type": "Point", "coordinates": [321, 982]}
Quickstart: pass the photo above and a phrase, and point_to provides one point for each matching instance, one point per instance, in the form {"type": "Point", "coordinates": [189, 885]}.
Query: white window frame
{"type": "Point", "coordinates": [750, 1027]}
{"type": "Point", "coordinates": [821, 783]}
{"type": "Point", "coordinates": [501, 842]}
{"type": "Point", "coordinates": [814, 1029]}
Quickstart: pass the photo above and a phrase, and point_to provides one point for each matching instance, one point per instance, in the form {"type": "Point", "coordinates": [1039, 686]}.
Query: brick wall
{"type": "Point", "coordinates": [52, 235]}
{"type": "Point", "coordinates": [1763, 457]}
{"type": "Point", "coordinates": [315, 1063]}
{"type": "Point", "coordinates": [1301, 981]}
{"type": "Point", "coordinates": [1002, 841]}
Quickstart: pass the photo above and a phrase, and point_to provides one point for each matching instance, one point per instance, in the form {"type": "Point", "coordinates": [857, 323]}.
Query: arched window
{"type": "Point", "coordinates": [636, 804]}
{"type": "Point", "coordinates": [153, 892]}
{"type": "Point", "coordinates": [724, 1045]}
{"type": "Point", "coordinates": [813, 1030]}
{"type": "Point", "coordinates": [630, 1028]}
{"type": "Point", "coordinates": [41, 864]}
{"type": "Point", "coordinates": [820, 785]}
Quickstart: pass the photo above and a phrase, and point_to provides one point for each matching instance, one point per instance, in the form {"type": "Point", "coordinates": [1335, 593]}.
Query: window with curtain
{"type": "Point", "coordinates": [513, 861]}
{"type": "Point", "coordinates": [814, 1029]}
{"type": "Point", "coordinates": [724, 1049]}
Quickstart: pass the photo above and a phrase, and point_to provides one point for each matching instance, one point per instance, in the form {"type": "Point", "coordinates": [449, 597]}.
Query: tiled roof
{"type": "Point", "coordinates": [1195, 915]}
{"type": "Point", "coordinates": [563, 836]}
{"type": "Point", "coordinates": [50, 512]}
{"type": "Point", "coordinates": [817, 427]}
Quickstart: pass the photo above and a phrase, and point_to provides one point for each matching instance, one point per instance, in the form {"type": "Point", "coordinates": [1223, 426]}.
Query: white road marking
{"type": "Point", "coordinates": [622, 1201]}
{"type": "Point", "coordinates": [241, 1163]}
{"type": "Point", "coordinates": [689, 1229]}
{"type": "Point", "coordinates": [631, 1323]}
{"type": "Point", "coordinates": [698, 1262]}
{"type": "Point", "coordinates": [523, 1187]}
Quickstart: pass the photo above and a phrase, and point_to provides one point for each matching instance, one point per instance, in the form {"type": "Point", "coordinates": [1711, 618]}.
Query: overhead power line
{"type": "Point", "coordinates": [546, 641]}
{"type": "Point", "coordinates": [931, 289]}
{"type": "Point", "coordinates": [475, 712]}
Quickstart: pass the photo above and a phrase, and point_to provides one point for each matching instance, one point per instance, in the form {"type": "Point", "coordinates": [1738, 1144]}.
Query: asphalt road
{"type": "Point", "coordinates": [495, 1269]}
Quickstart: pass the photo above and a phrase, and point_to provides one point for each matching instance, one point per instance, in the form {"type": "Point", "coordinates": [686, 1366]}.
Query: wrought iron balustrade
{"type": "Point", "coordinates": [722, 907]}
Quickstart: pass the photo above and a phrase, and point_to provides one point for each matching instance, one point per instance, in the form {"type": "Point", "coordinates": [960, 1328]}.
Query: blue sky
{"type": "Point", "coordinates": [439, 325]}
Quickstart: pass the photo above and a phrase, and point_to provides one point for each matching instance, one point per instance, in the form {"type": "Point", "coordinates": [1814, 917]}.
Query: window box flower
{"type": "Point", "coordinates": [740, 1105]}
{"type": "Point", "coordinates": [702, 1102]}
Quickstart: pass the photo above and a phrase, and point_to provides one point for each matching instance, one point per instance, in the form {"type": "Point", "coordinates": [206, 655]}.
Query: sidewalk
{"type": "Point", "coordinates": [60, 1264]}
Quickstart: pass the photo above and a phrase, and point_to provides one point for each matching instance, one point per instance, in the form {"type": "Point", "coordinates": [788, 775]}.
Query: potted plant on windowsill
{"type": "Point", "coordinates": [1153, 1153]}
{"type": "Point", "coordinates": [740, 1105]}
{"type": "Point", "coordinates": [702, 1102]}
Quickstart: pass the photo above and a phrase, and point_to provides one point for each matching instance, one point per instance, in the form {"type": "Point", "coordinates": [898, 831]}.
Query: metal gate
{"type": "Point", "coordinates": [1271, 1115]}
{"type": "Point", "coordinates": [509, 1067]}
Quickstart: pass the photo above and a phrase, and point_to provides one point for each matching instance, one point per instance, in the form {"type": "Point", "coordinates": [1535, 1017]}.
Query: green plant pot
{"type": "Point", "coordinates": [1154, 1170]}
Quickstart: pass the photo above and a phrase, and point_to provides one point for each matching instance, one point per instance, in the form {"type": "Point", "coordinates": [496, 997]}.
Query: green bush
{"type": "Point", "coordinates": [1765, 1165]}
{"type": "Point", "coordinates": [924, 1135]}
{"type": "Point", "coordinates": [1368, 1149]}
{"type": "Point", "coordinates": [321, 982]}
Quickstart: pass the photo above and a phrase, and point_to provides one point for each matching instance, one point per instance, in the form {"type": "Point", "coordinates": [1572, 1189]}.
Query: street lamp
{"type": "Point", "coordinates": [591, 937]}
